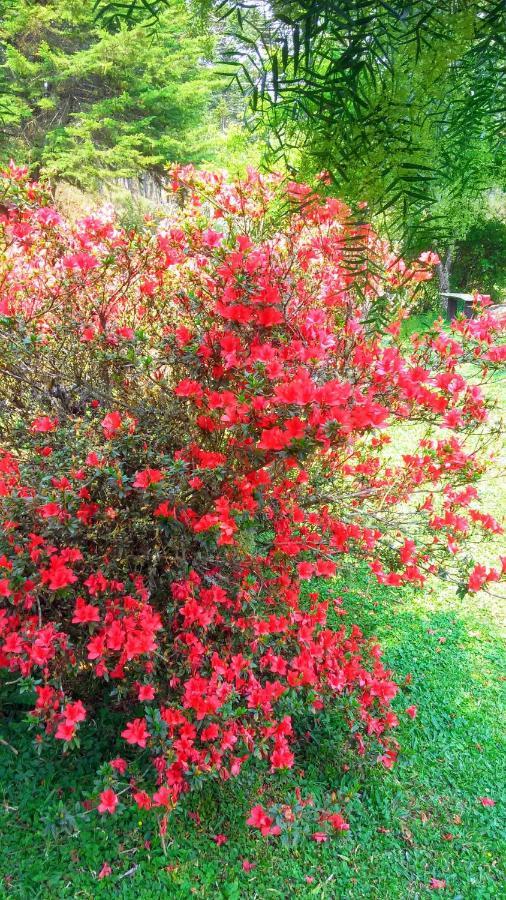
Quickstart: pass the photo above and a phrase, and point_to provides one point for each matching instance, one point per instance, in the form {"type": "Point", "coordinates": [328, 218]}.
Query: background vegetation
{"type": "Point", "coordinates": [85, 104]}
{"type": "Point", "coordinates": [402, 105]}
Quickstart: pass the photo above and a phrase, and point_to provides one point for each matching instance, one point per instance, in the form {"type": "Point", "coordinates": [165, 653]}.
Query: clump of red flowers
{"type": "Point", "coordinates": [195, 421]}
{"type": "Point", "coordinates": [300, 818]}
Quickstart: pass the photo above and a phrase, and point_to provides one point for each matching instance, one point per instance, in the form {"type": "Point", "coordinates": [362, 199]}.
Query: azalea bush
{"type": "Point", "coordinates": [196, 420]}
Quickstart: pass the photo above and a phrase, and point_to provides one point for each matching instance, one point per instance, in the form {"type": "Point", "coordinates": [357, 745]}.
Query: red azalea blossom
{"type": "Point", "coordinates": [258, 818]}
{"type": "Point", "coordinates": [44, 424]}
{"type": "Point", "coordinates": [147, 477]}
{"type": "Point", "coordinates": [486, 801]}
{"type": "Point", "coordinates": [142, 799]}
{"type": "Point", "coordinates": [119, 764]}
{"type": "Point", "coordinates": [136, 732]}
{"type": "Point", "coordinates": [220, 839]}
{"type": "Point", "coordinates": [65, 731]}
{"type": "Point", "coordinates": [146, 692]}
{"type": "Point", "coordinates": [338, 822]}
{"type": "Point", "coordinates": [111, 423]}
{"type": "Point", "coordinates": [437, 884]}
{"type": "Point", "coordinates": [163, 797]}
{"type": "Point", "coordinates": [108, 802]}
{"type": "Point", "coordinates": [74, 712]}
{"type": "Point", "coordinates": [85, 612]}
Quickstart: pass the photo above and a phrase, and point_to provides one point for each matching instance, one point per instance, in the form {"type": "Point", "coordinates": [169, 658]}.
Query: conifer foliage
{"type": "Point", "coordinates": [87, 104]}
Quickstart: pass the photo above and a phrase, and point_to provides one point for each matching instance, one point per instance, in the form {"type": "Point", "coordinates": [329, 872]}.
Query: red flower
{"type": "Point", "coordinates": [44, 424]}
{"type": "Point", "coordinates": [82, 262]}
{"type": "Point", "coordinates": [274, 439]}
{"type": "Point", "coordinates": [320, 837]}
{"type": "Point", "coordinates": [247, 865]}
{"type": "Point", "coordinates": [258, 818]}
{"type": "Point", "coordinates": [127, 333]}
{"type": "Point", "coordinates": [163, 797]}
{"type": "Point", "coordinates": [188, 388]}
{"type": "Point", "coordinates": [108, 802]}
{"type": "Point", "coordinates": [437, 884]}
{"type": "Point", "coordinates": [268, 316]}
{"type": "Point", "coordinates": [411, 711]}
{"type": "Point", "coordinates": [142, 799]}
{"type": "Point", "coordinates": [220, 839]}
{"type": "Point", "coordinates": [50, 510]}
{"type": "Point", "coordinates": [165, 509]}
{"type": "Point", "coordinates": [13, 643]}
{"type": "Point", "coordinates": [58, 575]}
{"type": "Point", "coordinates": [147, 477]}
{"type": "Point", "coordinates": [477, 578]}
{"type": "Point", "coordinates": [85, 612]}
{"type": "Point", "coordinates": [136, 732]}
{"type": "Point", "coordinates": [486, 801]}
{"type": "Point", "coordinates": [338, 822]}
{"type": "Point", "coordinates": [74, 712]}
{"type": "Point", "coordinates": [146, 692]}
{"type": "Point", "coordinates": [65, 731]}
{"type": "Point", "coordinates": [119, 764]}
{"type": "Point", "coordinates": [211, 238]}
{"type": "Point", "coordinates": [282, 758]}
{"type": "Point", "coordinates": [111, 423]}
{"type": "Point", "coordinates": [305, 569]}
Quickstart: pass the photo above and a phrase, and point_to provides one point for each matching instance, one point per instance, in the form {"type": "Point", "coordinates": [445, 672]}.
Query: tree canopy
{"type": "Point", "coordinates": [402, 103]}
{"type": "Point", "coordinates": [88, 103]}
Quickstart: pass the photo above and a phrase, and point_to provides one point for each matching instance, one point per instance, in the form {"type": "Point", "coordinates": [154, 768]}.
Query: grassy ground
{"type": "Point", "coordinates": [420, 821]}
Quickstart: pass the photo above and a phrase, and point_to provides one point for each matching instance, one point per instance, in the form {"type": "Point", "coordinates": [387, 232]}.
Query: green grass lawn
{"type": "Point", "coordinates": [401, 820]}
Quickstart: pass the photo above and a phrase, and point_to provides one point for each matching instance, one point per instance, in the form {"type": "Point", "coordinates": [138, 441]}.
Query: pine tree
{"type": "Point", "coordinates": [86, 104]}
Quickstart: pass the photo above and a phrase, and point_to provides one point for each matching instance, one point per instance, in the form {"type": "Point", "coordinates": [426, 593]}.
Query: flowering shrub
{"type": "Point", "coordinates": [195, 421]}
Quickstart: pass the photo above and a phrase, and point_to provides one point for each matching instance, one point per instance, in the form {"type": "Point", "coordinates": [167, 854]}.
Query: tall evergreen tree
{"type": "Point", "coordinates": [86, 103]}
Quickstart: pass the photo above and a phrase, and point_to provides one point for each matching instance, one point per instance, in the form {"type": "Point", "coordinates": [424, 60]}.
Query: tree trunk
{"type": "Point", "coordinates": [443, 271]}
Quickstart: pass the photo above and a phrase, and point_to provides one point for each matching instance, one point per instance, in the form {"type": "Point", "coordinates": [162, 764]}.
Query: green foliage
{"type": "Point", "coordinates": [480, 258]}
{"type": "Point", "coordinates": [86, 104]}
{"type": "Point", "coordinates": [403, 104]}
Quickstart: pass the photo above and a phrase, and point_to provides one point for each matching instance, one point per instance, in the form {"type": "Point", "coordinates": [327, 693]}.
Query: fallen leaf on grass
{"type": "Point", "coordinates": [407, 834]}
{"type": "Point", "coordinates": [105, 871]}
